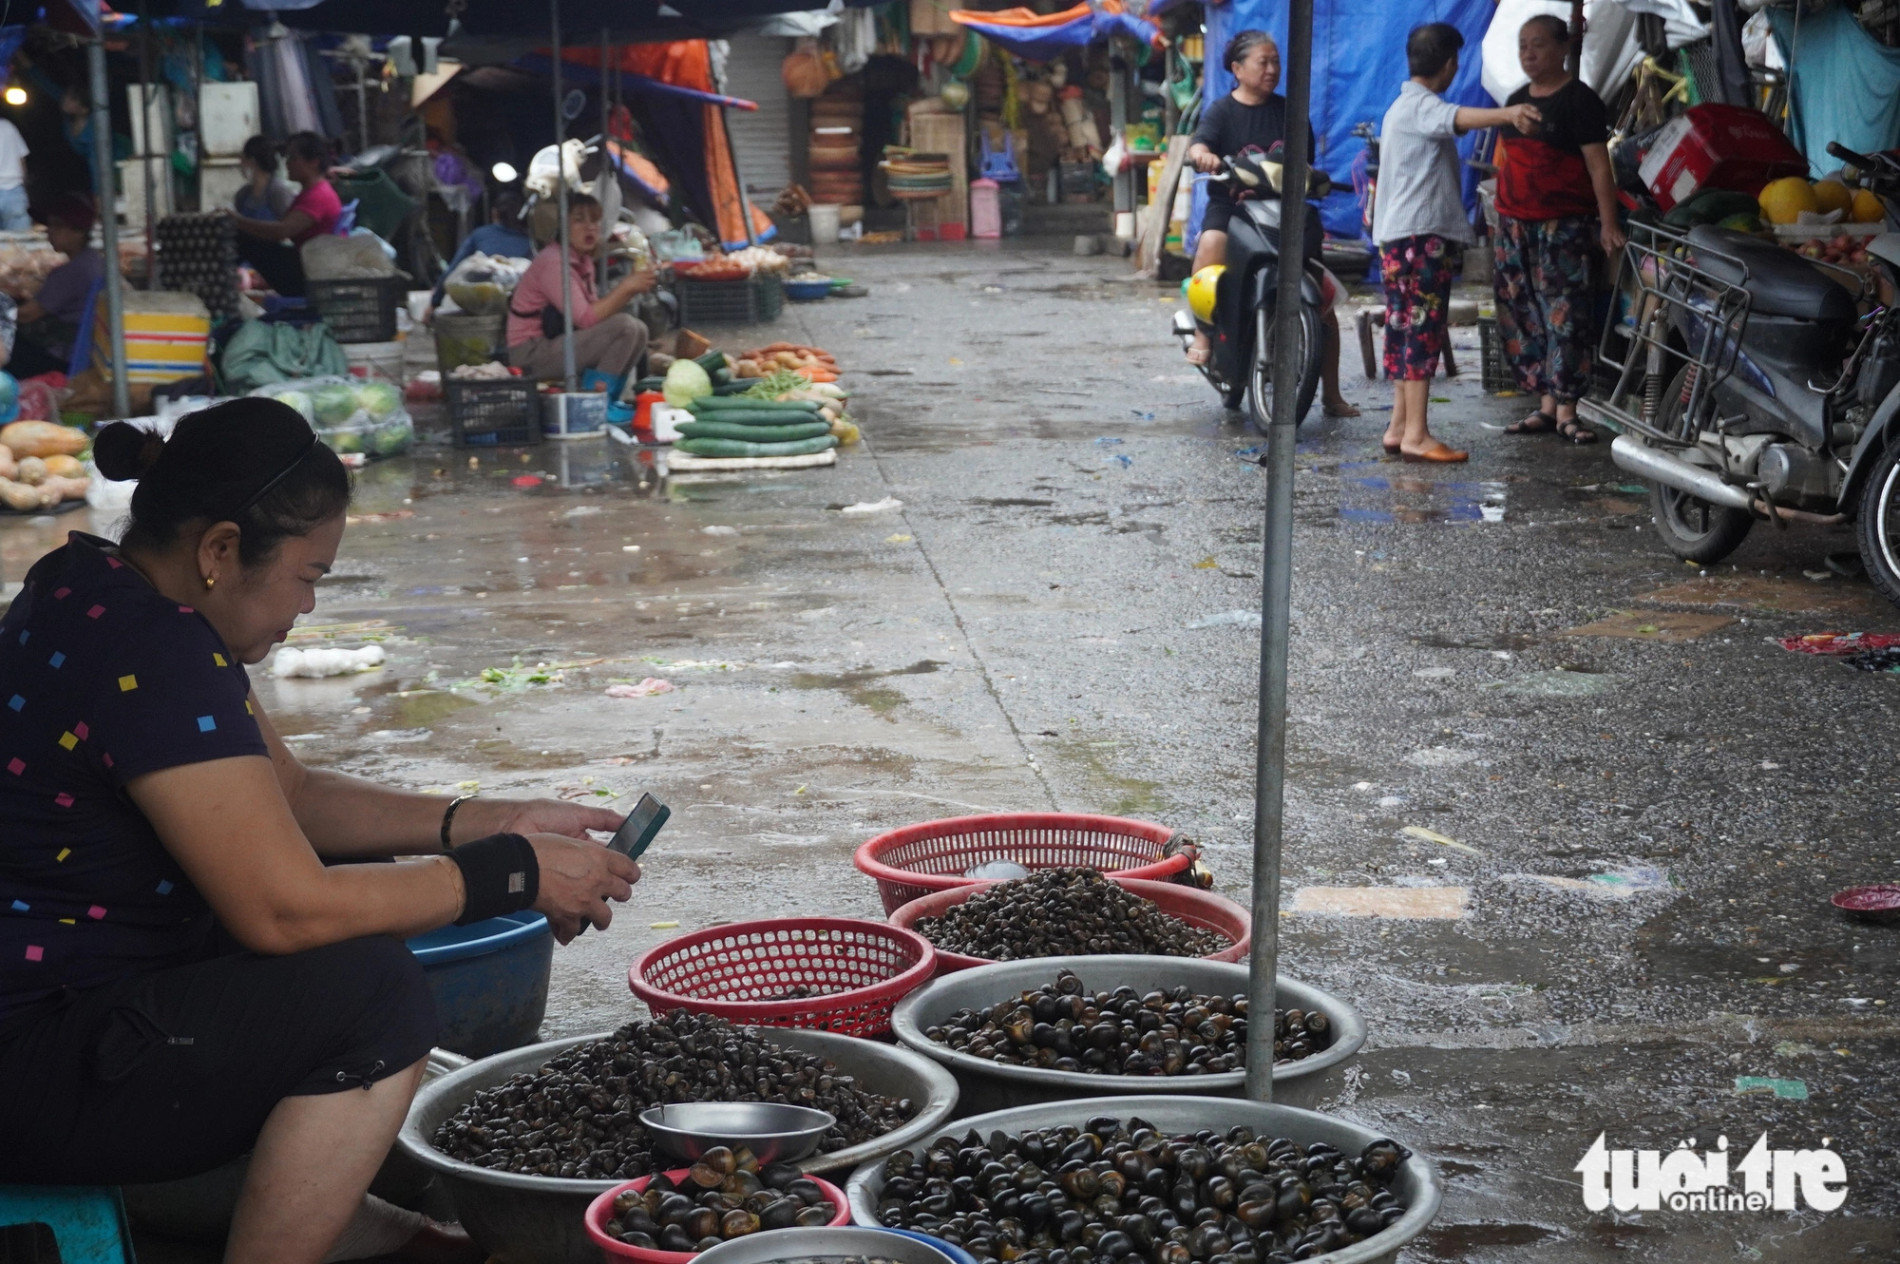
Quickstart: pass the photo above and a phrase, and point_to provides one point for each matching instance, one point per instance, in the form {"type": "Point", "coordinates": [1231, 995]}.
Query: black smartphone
{"type": "Point", "coordinates": [637, 832]}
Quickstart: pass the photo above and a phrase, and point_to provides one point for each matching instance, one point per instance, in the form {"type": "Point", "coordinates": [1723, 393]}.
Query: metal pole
{"type": "Point", "coordinates": [745, 205]}
{"type": "Point", "coordinates": [606, 163]}
{"type": "Point", "coordinates": [151, 139]}
{"type": "Point", "coordinates": [108, 219]}
{"type": "Point", "coordinates": [1120, 89]}
{"type": "Point", "coordinates": [560, 202]}
{"type": "Point", "coordinates": [1277, 589]}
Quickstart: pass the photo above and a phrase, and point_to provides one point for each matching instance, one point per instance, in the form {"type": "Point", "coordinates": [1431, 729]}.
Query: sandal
{"type": "Point", "coordinates": [1539, 422]}
{"type": "Point", "coordinates": [1576, 432]}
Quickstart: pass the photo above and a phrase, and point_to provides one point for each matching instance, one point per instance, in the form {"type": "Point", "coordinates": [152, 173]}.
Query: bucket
{"type": "Point", "coordinates": [577, 416]}
{"type": "Point", "coordinates": [986, 211]}
{"type": "Point", "coordinates": [824, 224]}
{"type": "Point", "coordinates": [376, 360]}
{"type": "Point", "coordinates": [489, 980]}
{"type": "Point", "coordinates": [462, 339]}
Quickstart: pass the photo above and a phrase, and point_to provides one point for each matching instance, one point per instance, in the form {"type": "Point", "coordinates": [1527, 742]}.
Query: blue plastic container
{"type": "Point", "coordinates": [950, 1249]}
{"type": "Point", "coordinates": [490, 981]}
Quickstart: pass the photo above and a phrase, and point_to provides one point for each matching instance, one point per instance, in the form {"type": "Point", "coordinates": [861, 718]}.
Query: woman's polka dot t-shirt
{"type": "Point", "coordinates": [102, 680]}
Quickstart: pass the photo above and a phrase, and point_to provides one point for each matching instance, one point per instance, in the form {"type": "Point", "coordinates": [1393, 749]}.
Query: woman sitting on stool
{"type": "Point", "coordinates": [271, 245]}
{"type": "Point", "coordinates": [606, 338]}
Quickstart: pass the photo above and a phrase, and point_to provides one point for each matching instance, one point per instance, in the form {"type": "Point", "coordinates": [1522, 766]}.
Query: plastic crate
{"type": "Point", "coordinates": [361, 309]}
{"type": "Point", "coordinates": [753, 301]}
{"type": "Point", "coordinates": [921, 859]}
{"type": "Point", "coordinates": [1201, 909]}
{"type": "Point", "coordinates": [1494, 370]}
{"type": "Point", "coordinates": [839, 974]}
{"type": "Point", "coordinates": [493, 412]}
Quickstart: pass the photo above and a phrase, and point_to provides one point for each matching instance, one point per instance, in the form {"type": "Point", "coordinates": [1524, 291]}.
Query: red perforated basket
{"type": "Point", "coordinates": [919, 859]}
{"type": "Point", "coordinates": [857, 969]}
{"type": "Point", "coordinates": [614, 1251]}
{"type": "Point", "coordinates": [1197, 908]}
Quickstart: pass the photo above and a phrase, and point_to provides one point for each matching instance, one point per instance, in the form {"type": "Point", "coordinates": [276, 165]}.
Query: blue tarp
{"type": "Point", "coordinates": [1846, 87]}
{"type": "Point", "coordinates": [1358, 65]}
{"type": "Point", "coordinates": [1041, 43]}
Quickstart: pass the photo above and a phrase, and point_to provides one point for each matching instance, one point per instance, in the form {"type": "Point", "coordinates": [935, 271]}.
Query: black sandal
{"type": "Point", "coordinates": [1576, 432]}
{"type": "Point", "coordinates": [1539, 422]}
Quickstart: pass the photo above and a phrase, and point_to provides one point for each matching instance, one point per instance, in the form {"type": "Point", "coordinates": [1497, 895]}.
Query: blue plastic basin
{"type": "Point", "coordinates": [490, 981]}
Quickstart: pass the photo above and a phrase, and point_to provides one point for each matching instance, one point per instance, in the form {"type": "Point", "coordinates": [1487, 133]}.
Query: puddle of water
{"type": "Point", "coordinates": [1380, 499]}
{"type": "Point", "coordinates": [1458, 1241]}
{"type": "Point", "coordinates": [423, 707]}
{"type": "Point", "coordinates": [858, 686]}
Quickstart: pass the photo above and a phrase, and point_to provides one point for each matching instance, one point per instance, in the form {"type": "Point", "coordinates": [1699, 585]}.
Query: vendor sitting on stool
{"type": "Point", "coordinates": [184, 977]}
{"type": "Point", "coordinates": [606, 338]}
{"type": "Point", "coordinates": [271, 245]}
{"type": "Point", "coordinates": [49, 321]}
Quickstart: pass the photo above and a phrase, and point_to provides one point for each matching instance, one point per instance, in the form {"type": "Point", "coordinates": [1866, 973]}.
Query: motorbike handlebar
{"type": "Point", "coordinates": [1842, 152]}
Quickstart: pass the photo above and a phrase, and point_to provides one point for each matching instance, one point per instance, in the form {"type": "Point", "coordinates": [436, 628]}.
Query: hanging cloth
{"type": "Point", "coordinates": [1843, 85]}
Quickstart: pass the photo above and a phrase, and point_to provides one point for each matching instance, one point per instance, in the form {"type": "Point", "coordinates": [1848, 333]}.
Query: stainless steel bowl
{"type": "Point", "coordinates": [1417, 1184]}
{"type": "Point", "coordinates": [537, 1219]}
{"type": "Point", "coordinates": [988, 1086]}
{"type": "Point", "coordinates": [774, 1132]}
{"type": "Point", "coordinates": [823, 1244]}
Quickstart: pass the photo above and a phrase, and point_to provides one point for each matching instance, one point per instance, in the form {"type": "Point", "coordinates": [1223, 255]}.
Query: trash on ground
{"type": "Point", "coordinates": [1433, 836]}
{"type": "Point", "coordinates": [1839, 644]}
{"type": "Point", "coordinates": [1123, 460]}
{"type": "Point", "coordinates": [719, 530]}
{"type": "Point", "coordinates": [1228, 619]}
{"type": "Point", "coordinates": [663, 925]}
{"type": "Point", "coordinates": [1787, 1090]}
{"type": "Point", "coordinates": [1878, 902]}
{"type": "Point", "coordinates": [1208, 563]}
{"type": "Point", "coordinates": [315, 664]}
{"type": "Point", "coordinates": [899, 538]}
{"type": "Point", "coordinates": [1665, 626]}
{"type": "Point", "coordinates": [515, 676]}
{"type": "Point", "coordinates": [1106, 441]}
{"type": "Point", "coordinates": [996, 871]}
{"type": "Point", "coordinates": [873, 506]}
{"type": "Point", "coordinates": [645, 689]}
{"type": "Point", "coordinates": [1612, 884]}
{"type": "Point", "coordinates": [1434, 903]}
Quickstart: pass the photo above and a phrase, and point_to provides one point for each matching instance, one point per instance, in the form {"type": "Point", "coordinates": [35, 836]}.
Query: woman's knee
{"type": "Point", "coordinates": [376, 1001]}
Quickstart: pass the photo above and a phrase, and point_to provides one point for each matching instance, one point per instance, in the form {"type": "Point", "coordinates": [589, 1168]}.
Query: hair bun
{"type": "Point", "coordinates": [122, 451]}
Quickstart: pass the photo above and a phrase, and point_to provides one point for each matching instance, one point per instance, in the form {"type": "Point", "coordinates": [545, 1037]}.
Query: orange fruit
{"type": "Point", "coordinates": [1783, 200]}
{"type": "Point", "coordinates": [1832, 195]}
{"type": "Point", "coordinates": [1867, 207]}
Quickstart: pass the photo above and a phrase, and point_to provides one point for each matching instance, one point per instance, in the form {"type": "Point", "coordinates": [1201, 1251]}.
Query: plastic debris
{"type": "Point", "coordinates": [1613, 884]}
{"type": "Point", "coordinates": [645, 689]}
{"type": "Point", "coordinates": [1106, 441]}
{"type": "Point", "coordinates": [1839, 644]}
{"type": "Point", "coordinates": [1433, 836]}
{"type": "Point", "coordinates": [1228, 619]}
{"type": "Point", "coordinates": [1208, 563]}
{"type": "Point", "coordinates": [1787, 1090]}
{"type": "Point", "coordinates": [526, 480]}
{"type": "Point", "coordinates": [996, 871]}
{"type": "Point", "coordinates": [663, 925]}
{"type": "Point", "coordinates": [315, 664]}
{"type": "Point", "coordinates": [719, 530]}
{"type": "Point", "coordinates": [873, 506]}
{"type": "Point", "coordinates": [1123, 460]}
{"type": "Point", "coordinates": [583, 511]}
{"type": "Point", "coordinates": [899, 538]}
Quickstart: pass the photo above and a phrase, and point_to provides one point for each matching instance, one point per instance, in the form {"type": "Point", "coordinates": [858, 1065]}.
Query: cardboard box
{"type": "Point", "coordinates": [1717, 147]}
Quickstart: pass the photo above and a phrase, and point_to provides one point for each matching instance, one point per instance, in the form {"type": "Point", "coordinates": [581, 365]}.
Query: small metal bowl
{"type": "Point", "coordinates": [774, 1133]}
{"type": "Point", "coordinates": [1877, 903]}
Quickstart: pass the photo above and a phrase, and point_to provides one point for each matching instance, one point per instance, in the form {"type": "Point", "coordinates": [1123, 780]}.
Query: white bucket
{"type": "Point", "coordinates": [376, 359]}
{"type": "Point", "coordinates": [824, 223]}
{"type": "Point", "coordinates": [576, 416]}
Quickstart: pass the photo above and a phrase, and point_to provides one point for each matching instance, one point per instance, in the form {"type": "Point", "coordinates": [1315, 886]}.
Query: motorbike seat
{"type": "Point", "coordinates": [1780, 282]}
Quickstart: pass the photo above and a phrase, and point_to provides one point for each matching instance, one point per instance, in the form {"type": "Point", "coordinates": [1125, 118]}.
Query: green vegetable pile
{"type": "Point", "coordinates": [739, 425]}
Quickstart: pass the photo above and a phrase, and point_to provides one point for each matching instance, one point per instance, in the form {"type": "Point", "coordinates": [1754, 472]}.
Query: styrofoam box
{"type": "Point", "coordinates": [132, 180]}
{"type": "Point", "coordinates": [227, 117]}
{"type": "Point", "coordinates": [219, 180]}
{"type": "Point", "coordinates": [155, 121]}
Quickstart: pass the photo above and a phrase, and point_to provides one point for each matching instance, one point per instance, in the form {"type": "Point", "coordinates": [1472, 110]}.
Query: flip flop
{"type": "Point", "coordinates": [1205, 354]}
{"type": "Point", "coordinates": [1576, 432]}
{"type": "Point", "coordinates": [1539, 422]}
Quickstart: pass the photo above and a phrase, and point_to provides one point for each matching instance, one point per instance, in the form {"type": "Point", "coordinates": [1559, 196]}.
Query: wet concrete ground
{"type": "Point", "coordinates": [1634, 835]}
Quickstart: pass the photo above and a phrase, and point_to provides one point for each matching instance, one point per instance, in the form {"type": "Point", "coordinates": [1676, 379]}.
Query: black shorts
{"type": "Point", "coordinates": [1219, 213]}
{"type": "Point", "coordinates": [168, 1074]}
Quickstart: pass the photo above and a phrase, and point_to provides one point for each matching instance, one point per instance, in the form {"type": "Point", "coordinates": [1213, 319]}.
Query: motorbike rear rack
{"type": "Point", "coordinates": [1661, 291]}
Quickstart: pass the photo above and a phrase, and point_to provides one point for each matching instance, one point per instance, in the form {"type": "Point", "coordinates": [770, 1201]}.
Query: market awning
{"type": "Point", "coordinates": [1039, 37]}
{"type": "Point", "coordinates": [626, 20]}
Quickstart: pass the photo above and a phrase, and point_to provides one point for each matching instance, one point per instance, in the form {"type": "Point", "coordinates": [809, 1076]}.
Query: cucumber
{"type": "Point", "coordinates": [787, 405]}
{"type": "Point", "coordinates": [712, 361]}
{"type": "Point", "coordinates": [739, 447]}
{"type": "Point", "coordinates": [724, 389]}
{"type": "Point", "coordinates": [754, 434]}
{"type": "Point", "coordinates": [649, 384]}
{"type": "Point", "coordinates": [752, 420]}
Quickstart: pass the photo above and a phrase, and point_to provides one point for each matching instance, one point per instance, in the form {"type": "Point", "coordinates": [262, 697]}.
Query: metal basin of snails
{"type": "Point", "coordinates": [538, 1219]}
{"type": "Point", "coordinates": [1134, 1178]}
{"type": "Point", "coordinates": [1143, 1039]}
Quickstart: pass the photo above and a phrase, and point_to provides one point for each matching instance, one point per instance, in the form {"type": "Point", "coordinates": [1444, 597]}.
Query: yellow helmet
{"type": "Point", "coordinates": [1200, 291]}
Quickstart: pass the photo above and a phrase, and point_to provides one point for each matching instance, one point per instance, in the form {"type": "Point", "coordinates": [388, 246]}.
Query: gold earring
{"type": "Point", "coordinates": [210, 583]}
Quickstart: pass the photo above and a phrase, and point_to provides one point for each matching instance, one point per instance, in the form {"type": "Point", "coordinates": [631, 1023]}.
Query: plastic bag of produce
{"type": "Point", "coordinates": [379, 400]}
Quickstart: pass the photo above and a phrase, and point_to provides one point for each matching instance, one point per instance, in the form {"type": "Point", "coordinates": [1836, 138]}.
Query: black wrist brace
{"type": "Point", "coordinates": [499, 875]}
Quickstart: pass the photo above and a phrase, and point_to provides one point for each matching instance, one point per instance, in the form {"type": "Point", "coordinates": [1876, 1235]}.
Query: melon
{"type": "Point", "coordinates": [1867, 207]}
{"type": "Point", "coordinates": [1831, 195]}
{"type": "Point", "coordinates": [1782, 201]}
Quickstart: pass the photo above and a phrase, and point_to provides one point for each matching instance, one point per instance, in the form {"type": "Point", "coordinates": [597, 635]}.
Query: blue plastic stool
{"type": "Point", "coordinates": [88, 1221]}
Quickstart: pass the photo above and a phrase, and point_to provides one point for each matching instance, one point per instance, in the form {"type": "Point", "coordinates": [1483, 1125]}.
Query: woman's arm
{"type": "Point", "coordinates": [273, 229]}
{"type": "Point", "coordinates": [1596, 160]}
{"type": "Point", "coordinates": [637, 282]}
{"type": "Point", "coordinates": [229, 827]}
{"type": "Point", "coordinates": [346, 817]}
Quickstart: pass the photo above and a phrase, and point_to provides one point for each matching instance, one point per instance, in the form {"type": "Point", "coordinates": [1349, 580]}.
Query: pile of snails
{"type": "Point", "coordinates": [725, 1195]}
{"type": "Point", "coordinates": [1063, 913]}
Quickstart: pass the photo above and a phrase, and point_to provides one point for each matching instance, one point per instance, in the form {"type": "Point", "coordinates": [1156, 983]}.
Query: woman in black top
{"type": "Point", "coordinates": [182, 979]}
{"type": "Point", "coordinates": [1253, 116]}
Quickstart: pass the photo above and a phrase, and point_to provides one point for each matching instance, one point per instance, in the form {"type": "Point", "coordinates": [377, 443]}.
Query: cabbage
{"type": "Point", "coordinates": [685, 382]}
{"type": "Point", "coordinates": [378, 399]}
{"type": "Point", "coordinates": [391, 438]}
{"type": "Point", "coordinates": [299, 400]}
{"type": "Point", "coordinates": [335, 403]}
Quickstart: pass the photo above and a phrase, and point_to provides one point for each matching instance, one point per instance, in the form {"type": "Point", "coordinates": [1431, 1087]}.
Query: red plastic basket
{"type": "Point", "coordinates": [612, 1250]}
{"type": "Point", "coordinates": [1197, 908]}
{"type": "Point", "coordinates": [919, 859]}
{"type": "Point", "coordinates": [858, 969]}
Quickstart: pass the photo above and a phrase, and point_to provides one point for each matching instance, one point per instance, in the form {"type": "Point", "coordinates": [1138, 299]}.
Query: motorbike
{"type": "Point", "coordinates": [1240, 324]}
{"type": "Point", "coordinates": [1750, 388]}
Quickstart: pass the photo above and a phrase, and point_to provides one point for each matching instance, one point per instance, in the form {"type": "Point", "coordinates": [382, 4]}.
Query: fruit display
{"type": "Point", "coordinates": [725, 1195]}
{"type": "Point", "coordinates": [36, 483]}
{"type": "Point", "coordinates": [1176, 1031]}
{"type": "Point", "coordinates": [1059, 913]}
{"type": "Point", "coordinates": [1120, 1190]}
{"type": "Point", "coordinates": [578, 1114]}
{"type": "Point", "coordinates": [1782, 201]}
